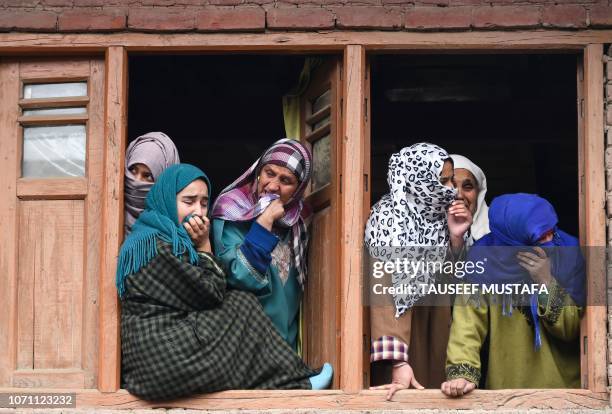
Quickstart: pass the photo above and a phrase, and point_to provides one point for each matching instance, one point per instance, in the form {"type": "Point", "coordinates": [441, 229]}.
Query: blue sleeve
{"type": "Point", "coordinates": [245, 253]}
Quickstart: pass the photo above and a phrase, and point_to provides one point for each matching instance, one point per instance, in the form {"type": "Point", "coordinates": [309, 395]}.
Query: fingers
{"type": "Point", "coordinates": [382, 387]}
{"type": "Point", "coordinates": [528, 256]}
{"type": "Point", "coordinates": [456, 387]}
{"type": "Point", "coordinates": [445, 388]}
{"type": "Point", "coordinates": [394, 388]}
{"type": "Point", "coordinates": [540, 252]}
{"type": "Point", "coordinates": [416, 384]}
{"type": "Point", "coordinates": [468, 387]}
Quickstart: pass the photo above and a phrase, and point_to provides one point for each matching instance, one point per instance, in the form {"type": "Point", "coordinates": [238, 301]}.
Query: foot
{"type": "Point", "coordinates": [324, 379]}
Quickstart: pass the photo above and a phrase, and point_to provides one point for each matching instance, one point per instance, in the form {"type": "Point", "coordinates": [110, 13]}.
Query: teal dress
{"type": "Point", "coordinates": [245, 248]}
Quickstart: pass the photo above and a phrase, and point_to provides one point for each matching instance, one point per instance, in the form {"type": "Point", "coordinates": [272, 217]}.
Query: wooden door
{"type": "Point", "coordinates": [51, 147]}
{"type": "Point", "coordinates": [320, 130]}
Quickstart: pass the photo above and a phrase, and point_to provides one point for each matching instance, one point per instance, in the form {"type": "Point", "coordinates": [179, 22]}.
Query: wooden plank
{"type": "Point", "coordinates": [51, 188]}
{"type": "Point", "coordinates": [9, 111]}
{"type": "Point", "coordinates": [109, 349]}
{"type": "Point", "coordinates": [595, 219]}
{"type": "Point", "coordinates": [53, 119]}
{"type": "Point", "coordinates": [26, 271]}
{"type": "Point", "coordinates": [93, 214]}
{"type": "Point", "coordinates": [296, 42]}
{"type": "Point", "coordinates": [513, 399]}
{"type": "Point", "coordinates": [53, 102]}
{"type": "Point", "coordinates": [367, 195]}
{"type": "Point", "coordinates": [58, 227]}
{"type": "Point", "coordinates": [43, 69]}
{"type": "Point", "coordinates": [45, 378]}
{"type": "Point", "coordinates": [351, 220]}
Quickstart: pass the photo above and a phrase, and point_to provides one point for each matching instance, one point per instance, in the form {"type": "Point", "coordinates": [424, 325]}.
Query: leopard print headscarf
{"type": "Point", "coordinates": [410, 221]}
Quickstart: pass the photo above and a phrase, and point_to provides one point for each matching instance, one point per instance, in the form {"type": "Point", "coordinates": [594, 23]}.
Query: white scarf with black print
{"type": "Point", "coordinates": [410, 222]}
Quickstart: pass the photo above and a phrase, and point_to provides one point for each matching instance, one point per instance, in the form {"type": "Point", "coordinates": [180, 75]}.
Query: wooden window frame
{"type": "Point", "coordinates": [355, 173]}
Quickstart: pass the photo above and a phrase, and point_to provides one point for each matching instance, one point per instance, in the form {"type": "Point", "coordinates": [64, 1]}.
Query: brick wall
{"type": "Point", "coordinates": [309, 15]}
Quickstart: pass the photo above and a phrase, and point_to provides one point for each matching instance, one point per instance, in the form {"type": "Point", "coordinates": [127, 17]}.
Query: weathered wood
{"type": "Point", "coordinates": [595, 219]}
{"type": "Point", "coordinates": [53, 102]}
{"type": "Point", "coordinates": [51, 188]}
{"type": "Point", "coordinates": [367, 194]}
{"type": "Point", "coordinates": [26, 271]}
{"type": "Point", "coordinates": [321, 303]}
{"type": "Point", "coordinates": [352, 220]}
{"type": "Point", "coordinates": [93, 220]}
{"type": "Point", "coordinates": [109, 349]}
{"type": "Point", "coordinates": [57, 227]}
{"type": "Point", "coordinates": [9, 85]}
{"type": "Point", "coordinates": [337, 400]}
{"type": "Point", "coordinates": [45, 378]}
{"type": "Point", "coordinates": [296, 42]}
{"type": "Point", "coordinates": [53, 119]}
{"type": "Point", "coordinates": [51, 68]}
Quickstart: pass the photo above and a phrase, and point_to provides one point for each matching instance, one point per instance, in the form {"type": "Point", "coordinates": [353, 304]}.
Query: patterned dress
{"type": "Point", "coordinates": [184, 333]}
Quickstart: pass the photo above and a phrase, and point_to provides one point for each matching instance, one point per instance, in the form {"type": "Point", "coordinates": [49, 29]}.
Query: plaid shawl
{"type": "Point", "coordinates": [183, 333]}
{"type": "Point", "coordinates": [239, 201]}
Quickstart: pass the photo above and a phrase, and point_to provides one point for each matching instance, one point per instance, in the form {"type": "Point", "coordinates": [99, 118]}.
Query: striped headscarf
{"type": "Point", "coordinates": [240, 202]}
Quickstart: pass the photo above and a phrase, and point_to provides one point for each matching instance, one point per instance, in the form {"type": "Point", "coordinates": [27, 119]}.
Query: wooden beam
{"type": "Point", "coordinates": [109, 351]}
{"type": "Point", "coordinates": [52, 188]}
{"type": "Point", "coordinates": [595, 218]}
{"type": "Point", "coordinates": [300, 42]}
{"type": "Point", "coordinates": [9, 154]}
{"type": "Point", "coordinates": [514, 399]}
{"type": "Point", "coordinates": [351, 223]}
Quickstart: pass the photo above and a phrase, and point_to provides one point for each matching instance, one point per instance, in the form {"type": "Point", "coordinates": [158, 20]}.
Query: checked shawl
{"type": "Point", "coordinates": [183, 333]}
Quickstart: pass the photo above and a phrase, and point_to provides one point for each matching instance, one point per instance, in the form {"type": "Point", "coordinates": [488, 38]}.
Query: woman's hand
{"type": "Point", "coordinates": [457, 387]}
{"type": "Point", "coordinates": [273, 212]}
{"type": "Point", "coordinates": [459, 218]}
{"type": "Point", "coordinates": [537, 264]}
{"type": "Point", "coordinates": [198, 229]}
{"type": "Point", "coordinates": [403, 378]}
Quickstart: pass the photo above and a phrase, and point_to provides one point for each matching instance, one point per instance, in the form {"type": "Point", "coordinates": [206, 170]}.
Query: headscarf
{"type": "Point", "coordinates": [520, 220]}
{"type": "Point", "coordinates": [412, 216]}
{"type": "Point", "coordinates": [239, 200]}
{"type": "Point", "coordinates": [159, 220]}
{"type": "Point", "coordinates": [155, 150]}
{"type": "Point", "coordinates": [480, 224]}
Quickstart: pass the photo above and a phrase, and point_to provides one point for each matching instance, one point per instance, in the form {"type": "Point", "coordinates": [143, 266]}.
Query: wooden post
{"type": "Point", "coordinates": [351, 221]}
{"type": "Point", "coordinates": [595, 219]}
{"type": "Point", "coordinates": [9, 150]}
{"type": "Point", "coordinates": [109, 364]}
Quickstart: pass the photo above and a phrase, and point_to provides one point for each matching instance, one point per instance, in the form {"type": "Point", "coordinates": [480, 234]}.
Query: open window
{"type": "Point", "coordinates": [222, 112]}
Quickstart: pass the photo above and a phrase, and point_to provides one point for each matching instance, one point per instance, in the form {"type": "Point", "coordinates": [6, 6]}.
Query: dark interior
{"type": "Point", "coordinates": [221, 111]}
{"type": "Point", "coordinates": [513, 115]}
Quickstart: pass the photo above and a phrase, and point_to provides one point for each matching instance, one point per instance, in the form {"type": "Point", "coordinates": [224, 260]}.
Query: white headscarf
{"type": "Point", "coordinates": [480, 225]}
{"type": "Point", "coordinates": [411, 216]}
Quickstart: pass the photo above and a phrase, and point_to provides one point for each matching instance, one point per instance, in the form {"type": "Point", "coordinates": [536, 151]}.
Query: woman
{"type": "Point", "coordinates": [145, 159]}
{"type": "Point", "coordinates": [471, 185]}
{"type": "Point", "coordinates": [419, 211]}
{"type": "Point", "coordinates": [260, 234]}
{"type": "Point", "coordinates": [536, 346]}
{"type": "Point", "coordinates": [182, 331]}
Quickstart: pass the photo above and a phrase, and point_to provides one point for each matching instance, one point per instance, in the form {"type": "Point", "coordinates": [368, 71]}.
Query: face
{"type": "Point", "coordinates": [193, 199]}
{"type": "Point", "coordinates": [446, 176]}
{"type": "Point", "coordinates": [467, 188]}
{"type": "Point", "coordinates": [274, 179]}
{"type": "Point", "coordinates": [547, 237]}
{"type": "Point", "coordinates": [141, 173]}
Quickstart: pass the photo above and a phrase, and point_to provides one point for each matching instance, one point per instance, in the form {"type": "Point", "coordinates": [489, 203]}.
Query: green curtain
{"type": "Point", "coordinates": [291, 101]}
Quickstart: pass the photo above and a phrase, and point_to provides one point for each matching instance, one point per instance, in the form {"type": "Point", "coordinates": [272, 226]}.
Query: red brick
{"type": "Point", "coordinates": [225, 2]}
{"type": "Point", "coordinates": [90, 3]}
{"type": "Point", "coordinates": [28, 20]}
{"type": "Point", "coordinates": [98, 20]}
{"type": "Point", "coordinates": [161, 19]}
{"type": "Point", "coordinates": [20, 3]}
{"type": "Point", "coordinates": [219, 19]}
{"type": "Point", "coordinates": [442, 3]}
{"type": "Point", "coordinates": [368, 17]}
{"type": "Point", "coordinates": [570, 16]}
{"type": "Point", "coordinates": [158, 3]}
{"type": "Point", "coordinates": [600, 16]}
{"type": "Point", "coordinates": [438, 18]}
{"type": "Point", "coordinates": [299, 18]}
{"type": "Point", "coordinates": [506, 17]}
{"type": "Point", "coordinates": [57, 3]}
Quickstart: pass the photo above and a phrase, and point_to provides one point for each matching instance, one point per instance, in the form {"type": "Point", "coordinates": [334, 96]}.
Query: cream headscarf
{"type": "Point", "coordinates": [480, 225]}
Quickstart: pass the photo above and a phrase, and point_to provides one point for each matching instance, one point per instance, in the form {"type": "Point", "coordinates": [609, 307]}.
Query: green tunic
{"type": "Point", "coordinates": [280, 301]}
{"type": "Point", "coordinates": [513, 361]}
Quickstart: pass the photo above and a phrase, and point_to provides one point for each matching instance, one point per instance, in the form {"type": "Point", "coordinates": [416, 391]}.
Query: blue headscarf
{"type": "Point", "coordinates": [520, 220]}
{"type": "Point", "coordinates": [159, 220]}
